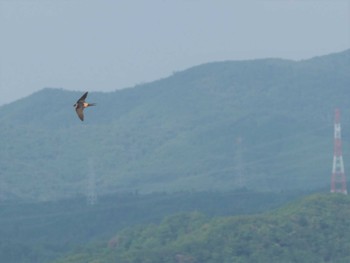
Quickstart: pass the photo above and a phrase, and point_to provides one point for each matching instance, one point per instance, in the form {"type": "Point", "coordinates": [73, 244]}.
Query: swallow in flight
{"type": "Point", "coordinates": [81, 105]}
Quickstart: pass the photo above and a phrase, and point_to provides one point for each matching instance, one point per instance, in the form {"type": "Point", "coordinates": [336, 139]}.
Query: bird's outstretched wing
{"type": "Point", "coordinates": [82, 99]}
{"type": "Point", "coordinates": [80, 113]}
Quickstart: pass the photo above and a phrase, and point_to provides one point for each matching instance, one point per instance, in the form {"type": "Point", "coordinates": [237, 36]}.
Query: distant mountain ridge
{"type": "Point", "coordinates": [181, 132]}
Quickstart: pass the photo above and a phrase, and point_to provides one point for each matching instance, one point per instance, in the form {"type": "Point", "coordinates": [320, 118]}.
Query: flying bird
{"type": "Point", "coordinates": [81, 105]}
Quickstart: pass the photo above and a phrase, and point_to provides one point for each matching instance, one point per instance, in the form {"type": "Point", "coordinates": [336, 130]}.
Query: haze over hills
{"type": "Point", "coordinates": [261, 124]}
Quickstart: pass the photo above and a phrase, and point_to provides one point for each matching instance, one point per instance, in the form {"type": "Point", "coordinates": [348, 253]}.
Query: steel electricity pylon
{"type": "Point", "coordinates": [338, 180]}
{"type": "Point", "coordinates": [91, 196]}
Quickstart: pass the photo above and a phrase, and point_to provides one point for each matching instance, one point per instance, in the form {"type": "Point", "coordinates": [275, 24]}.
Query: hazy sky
{"type": "Point", "coordinates": [104, 45]}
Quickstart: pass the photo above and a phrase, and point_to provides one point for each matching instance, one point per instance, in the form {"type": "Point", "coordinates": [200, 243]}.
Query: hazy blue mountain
{"type": "Point", "coordinates": [182, 132]}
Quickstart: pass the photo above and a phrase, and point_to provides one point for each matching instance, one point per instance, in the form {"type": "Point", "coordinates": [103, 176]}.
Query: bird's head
{"type": "Point", "coordinates": [75, 105]}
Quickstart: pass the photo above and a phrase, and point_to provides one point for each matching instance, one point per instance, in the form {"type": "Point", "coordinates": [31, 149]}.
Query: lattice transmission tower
{"type": "Point", "coordinates": [239, 166]}
{"type": "Point", "coordinates": [91, 195]}
{"type": "Point", "coordinates": [338, 180]}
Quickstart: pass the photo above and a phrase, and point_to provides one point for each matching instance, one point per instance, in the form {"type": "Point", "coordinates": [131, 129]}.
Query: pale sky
{"type": "Point", "coordinates": [104, 45]}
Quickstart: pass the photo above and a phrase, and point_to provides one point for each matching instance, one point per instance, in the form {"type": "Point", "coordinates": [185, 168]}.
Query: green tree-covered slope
{"type": "Point", "coordinates": [314, 229]}
{"type": "Point", "coordinates": [41, 232]}
{"type": "Point", "coordinates": [263, 124]}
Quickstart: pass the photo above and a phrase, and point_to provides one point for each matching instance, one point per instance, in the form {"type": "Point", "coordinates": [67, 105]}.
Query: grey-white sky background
{"type": "Point", "coordinates": [104, 45]}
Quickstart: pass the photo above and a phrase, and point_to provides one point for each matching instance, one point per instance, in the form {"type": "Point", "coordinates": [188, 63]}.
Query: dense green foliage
{"type": "Point", "coordinates": [182, 132]}
{"type": "Point", "coordinates": [313, 230]}
{"type": "Point", "coordinates": [40, 232]}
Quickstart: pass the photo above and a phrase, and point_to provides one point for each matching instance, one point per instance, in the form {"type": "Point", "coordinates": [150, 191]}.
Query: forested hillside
{"type": "Point", "coordinates": [42, 232]}
{"type": "Point", "coordinates": [315, 229]}
{"type": "Point", "coordinates": [261, 124]}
